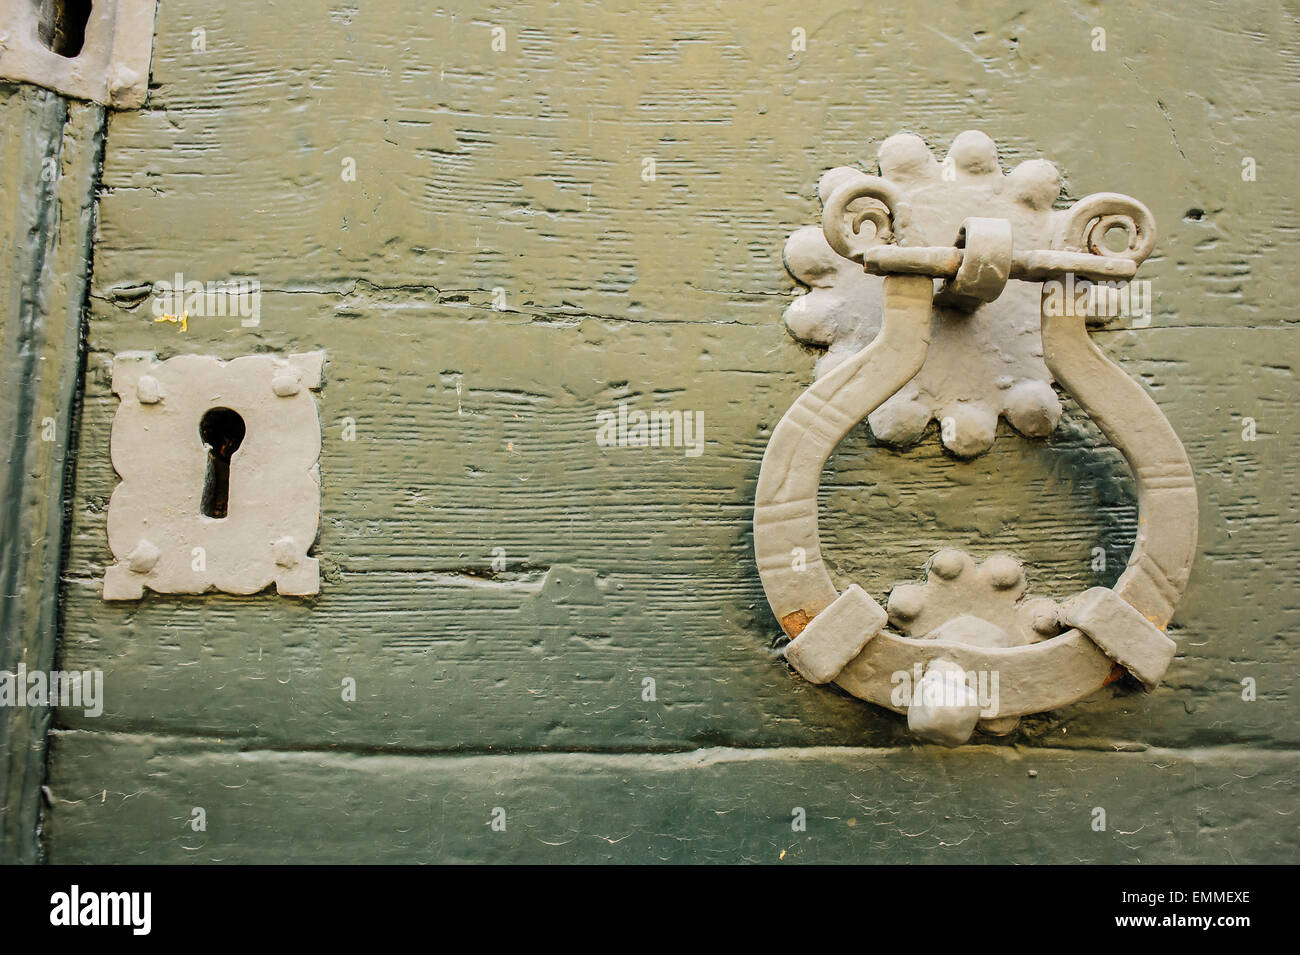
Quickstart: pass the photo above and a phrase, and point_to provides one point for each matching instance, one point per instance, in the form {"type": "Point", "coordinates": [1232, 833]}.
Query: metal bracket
{"type": "Point", "coordinates": [986, 356]}
{"type": "Point", "coordinates": [220, 481]}
{"type": "Point", "coordinates": [109, 66]}
{"type": "Point", "coordinates": [972, 623]}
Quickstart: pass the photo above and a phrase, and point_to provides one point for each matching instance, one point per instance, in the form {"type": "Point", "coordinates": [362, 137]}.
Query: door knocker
{"type": "Point", "coordinates": [1005, 319]}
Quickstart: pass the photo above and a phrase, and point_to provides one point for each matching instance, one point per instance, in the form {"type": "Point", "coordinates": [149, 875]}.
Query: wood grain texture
{"type": "Point", "coordinates": [132, 799]}
{"type": "Point", "coordinates": [628, 563]}
{"type": "Point", "coordinates": [50, 151]}
{"type": "Point", "coordinates": [522, 170]}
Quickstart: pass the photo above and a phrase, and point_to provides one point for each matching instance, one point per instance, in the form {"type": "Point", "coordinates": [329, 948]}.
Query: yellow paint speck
{"type": "Point", "coordinates": [183, 320]}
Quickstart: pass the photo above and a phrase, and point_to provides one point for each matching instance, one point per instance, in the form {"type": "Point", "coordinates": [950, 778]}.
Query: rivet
{"type": "Point", "coordinates": [905, 601]}
{"type": "Point", "coordinates": [1004, 572]}
{"type": "Point", "coordinates": [285, 384]}
{"type": "Point", "coordinates": [1047, 621]}
{"type": "Point", "coordinates": [148, 391]}
{"type": "Point", "coordinates": [143, 558]}
{"type": "Point", "coordinates": [285, 552]}
{"type": "Point", "coordinates": [121, 80]}
{"type": "Point", "coordinates": [948, 563]}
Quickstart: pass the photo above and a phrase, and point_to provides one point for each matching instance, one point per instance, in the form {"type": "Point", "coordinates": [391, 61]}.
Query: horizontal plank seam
{"type": "Point", "coordinates": [250, 745]}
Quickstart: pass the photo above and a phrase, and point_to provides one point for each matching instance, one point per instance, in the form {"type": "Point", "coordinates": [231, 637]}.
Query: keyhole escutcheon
{"type": "Point", "coordinates": [222, 431]}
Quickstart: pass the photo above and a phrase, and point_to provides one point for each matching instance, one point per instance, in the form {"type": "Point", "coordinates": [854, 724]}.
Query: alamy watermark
{"type": "Point", "coordinates": [82, 689]}
{"type": "Point", "coordinates": [948, 687]}
{"type": "Point", "coordinates": [658, 428]}
{"type": "Point", "coordinates": [178, 300]}
{"type": "Point", "coordinates": [1099, 299]}
{"type": "Point", "coordinates": [128, 909]}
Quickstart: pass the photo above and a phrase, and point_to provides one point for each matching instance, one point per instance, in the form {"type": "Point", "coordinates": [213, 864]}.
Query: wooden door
{"type": "Point", "coordinates": [501, 220]}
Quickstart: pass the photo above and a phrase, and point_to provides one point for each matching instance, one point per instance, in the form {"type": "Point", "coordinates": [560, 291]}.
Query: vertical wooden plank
{"type": "Point", "coordinates": [50, 152]}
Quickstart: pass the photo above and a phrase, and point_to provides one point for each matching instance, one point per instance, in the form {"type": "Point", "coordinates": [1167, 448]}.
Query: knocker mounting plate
{"type": "Point", "coordinates": [965, 332]}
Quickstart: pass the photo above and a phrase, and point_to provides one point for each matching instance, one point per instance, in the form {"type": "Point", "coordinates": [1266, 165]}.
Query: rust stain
{"type": "Point", "coordinates": [793, 623]}
{"type": "Point", "coordinates": [1116, 672]}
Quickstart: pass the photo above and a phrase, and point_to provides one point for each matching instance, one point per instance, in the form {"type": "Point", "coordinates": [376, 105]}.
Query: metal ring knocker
{"type": "Point", "coordinates": [842, 637]}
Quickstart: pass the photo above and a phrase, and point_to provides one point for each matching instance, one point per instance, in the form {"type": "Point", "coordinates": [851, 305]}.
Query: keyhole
{"type": "Point", "coordinates": [222, 431]}
{"type": "Point", "coordinates": [61, 24]}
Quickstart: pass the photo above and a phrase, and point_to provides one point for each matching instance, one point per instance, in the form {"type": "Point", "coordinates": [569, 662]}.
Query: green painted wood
{"type": "Point", "coordinates": [49, 152]}
{"type": "Point", "coordinates": [475, 425]}
{"type": "Point", "coordinates": [523, 169]}
{"type": "Point", "coordinates": [603, 591]}
{"type": "Point", "coordinates": [132, 798]}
